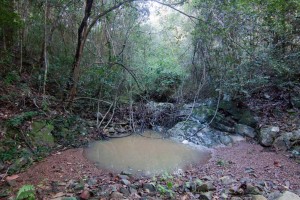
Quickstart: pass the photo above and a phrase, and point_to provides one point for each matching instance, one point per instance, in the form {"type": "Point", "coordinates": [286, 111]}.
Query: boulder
{"type": "Point", "coordinates": [287, 195]}
{"type": "Point", "coordinates": [245, 130]}
{"type": "Point", "coordinates": [283, 142]}
{"type": "Point", "coordinates": [193, 132]}
{"type": "Point", "coordinates": [158, 108]}
{"type": "Point", "coordinates": [287, 140]}
{"type": "Point", "coordinates": [267, 135]}
{"type": "Point", "coordinates": [41, 133]}
{"type": "Point", "coordinates": [241, 114]}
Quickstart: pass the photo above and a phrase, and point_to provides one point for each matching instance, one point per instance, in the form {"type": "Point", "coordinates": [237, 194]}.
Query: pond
{"type": "Point", "coordinates": [145, 155]}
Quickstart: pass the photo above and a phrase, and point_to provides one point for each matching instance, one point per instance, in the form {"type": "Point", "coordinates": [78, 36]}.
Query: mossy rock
{"type": "Point", "coordinates": [203, 114]}
{"type": "Point", "coordinates": [240, 115]}
{"type": "Point", "coordinates": [41, 133]}
{"type": "Point", "coordinates": [246, 117]}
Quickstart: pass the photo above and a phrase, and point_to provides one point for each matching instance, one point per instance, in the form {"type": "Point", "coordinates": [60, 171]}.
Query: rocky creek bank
{"type": "Point", "coordinates": [210, 125]}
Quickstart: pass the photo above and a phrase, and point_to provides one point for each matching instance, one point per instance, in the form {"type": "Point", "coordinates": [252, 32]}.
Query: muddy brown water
{"type": "Point", "coordinates": [144, 155]}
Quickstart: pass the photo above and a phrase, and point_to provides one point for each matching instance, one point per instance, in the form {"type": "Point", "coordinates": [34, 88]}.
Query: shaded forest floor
{"type": "Point", "coordinates": [69, 173]}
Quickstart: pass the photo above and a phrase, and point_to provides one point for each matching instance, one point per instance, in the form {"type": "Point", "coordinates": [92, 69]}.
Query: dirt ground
{"type": "Point", "coordinates": [242, 161]}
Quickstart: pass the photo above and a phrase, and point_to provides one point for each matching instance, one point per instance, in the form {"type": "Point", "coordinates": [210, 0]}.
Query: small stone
{"type": "Point", "coordinates": [207, 178]}
{"type": "Point", "coordinates": [226, 180]}
{"type": "Point", "coordinates": [121, 130]}
{"type": "Point", "coordinates": [132, 190]}
{"type": "Point", "coordinates": [78, 187]}
{"type": "Point", "coordinates": [202, 188]}
{"type": "Point", "coordinates": [126, 173]}
{"type": "Point", "coordinates": [250, 189]}
{"type": "Point", "coordinates": [259, 197]}
{"type": "Point", "coordinates": [249, 170]}
{"type": "Point", "coordinates": [85, 195]}
{"type": "Point", "coordinates": [210, 186]}
{"type": "Point", "coordinates": [125, 182]}
{"type": "Point", "coordinates": [206, 196]}
{"type": "Point", "coordinates": [123, 176]}
{"type": "Point", "coordinates": [287, 195]}
{"type": "Point", "coordinates": [224, 195]}
{"type": "Point", "coordinates": [149, 186]}
{"type": "Point", "coordinates": [185, 142]}
{"type": "Point", "coordinates": [111, 130]}
{"type": "Point", "coordinates": [116, 195]}
{"type": "Point", "coordinates": [91, 181]}
{"type": "Point", "coordinates": [124, 191]}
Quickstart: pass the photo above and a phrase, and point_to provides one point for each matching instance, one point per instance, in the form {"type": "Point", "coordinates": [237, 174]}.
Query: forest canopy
{"type": "Point", "coordinates": [161, 50]}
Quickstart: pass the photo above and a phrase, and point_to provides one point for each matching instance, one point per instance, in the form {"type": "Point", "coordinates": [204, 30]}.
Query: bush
{"type": "Point", "coordinates": [164, 86]}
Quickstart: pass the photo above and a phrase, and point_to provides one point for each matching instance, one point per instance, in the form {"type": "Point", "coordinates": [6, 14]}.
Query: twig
{"type": "Point", "coordinates": [99, 100]}
{"type": "Point", "coordinates": [98, 125]}
{"type": "Point", "coordinates": [112, 114]}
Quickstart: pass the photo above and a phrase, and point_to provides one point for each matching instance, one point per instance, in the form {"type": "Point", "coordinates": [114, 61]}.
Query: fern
{"type": "Point", "coordinates": [26, 192]}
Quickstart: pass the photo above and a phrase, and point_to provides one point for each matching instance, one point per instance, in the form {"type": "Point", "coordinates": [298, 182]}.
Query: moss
{"type": "Point", "coordinates": [41, 133]}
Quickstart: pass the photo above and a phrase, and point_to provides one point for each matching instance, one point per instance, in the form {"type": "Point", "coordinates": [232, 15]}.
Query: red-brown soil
{"type": "Point", "coordinates": [266, 165]}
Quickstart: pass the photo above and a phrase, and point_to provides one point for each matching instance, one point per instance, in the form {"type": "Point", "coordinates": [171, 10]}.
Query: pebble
{"type": "Point", "coordinates": [226, 180]}
{"type": "Point", "coordinates": [149, 186]}
{"type": "Point", "coordinates": [206, 196]}
{"type": "Point", "coordinates": [85, 195]}
{"type": "Point", "coordinates": [123, 176]}
{"type": "Point", "coordinates": [126, 173]}
{"type": "Point", "coordinates": [116, 195]}
{"type": "Point", "coordinates": [125, 182]}
{"type": "Point", "coordinates": [124, 191]}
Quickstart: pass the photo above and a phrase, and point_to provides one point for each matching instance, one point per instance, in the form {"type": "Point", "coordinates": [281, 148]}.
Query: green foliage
{"type": "Point", "coordinates": [11, 77]}
{"type": "Point", "coordinates": [166, 176]}
{"type": "Point", "coordinates": [164, 85]}
{"type": "Point", "coordinates": [26, 192]}
{"type": "Point", "coordinates": [165, 189]}
{"type": "Point", "coordinates": [20, 119]}
{"type": "Point", "coordinates": [243, 58]}
{"type": "Point", "coordinates": [8, 17]}
{"type": "Point", "coordinates": [9, 150]}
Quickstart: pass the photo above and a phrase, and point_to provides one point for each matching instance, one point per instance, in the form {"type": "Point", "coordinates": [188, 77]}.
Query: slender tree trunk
{"type": "Point", "coordinates": [82, 34]}
{"type": "Point", "coordinates": [45, 49]}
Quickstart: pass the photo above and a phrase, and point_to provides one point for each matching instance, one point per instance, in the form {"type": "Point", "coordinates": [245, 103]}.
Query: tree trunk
{"type": "Point", "coordinates": [82, 34]}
